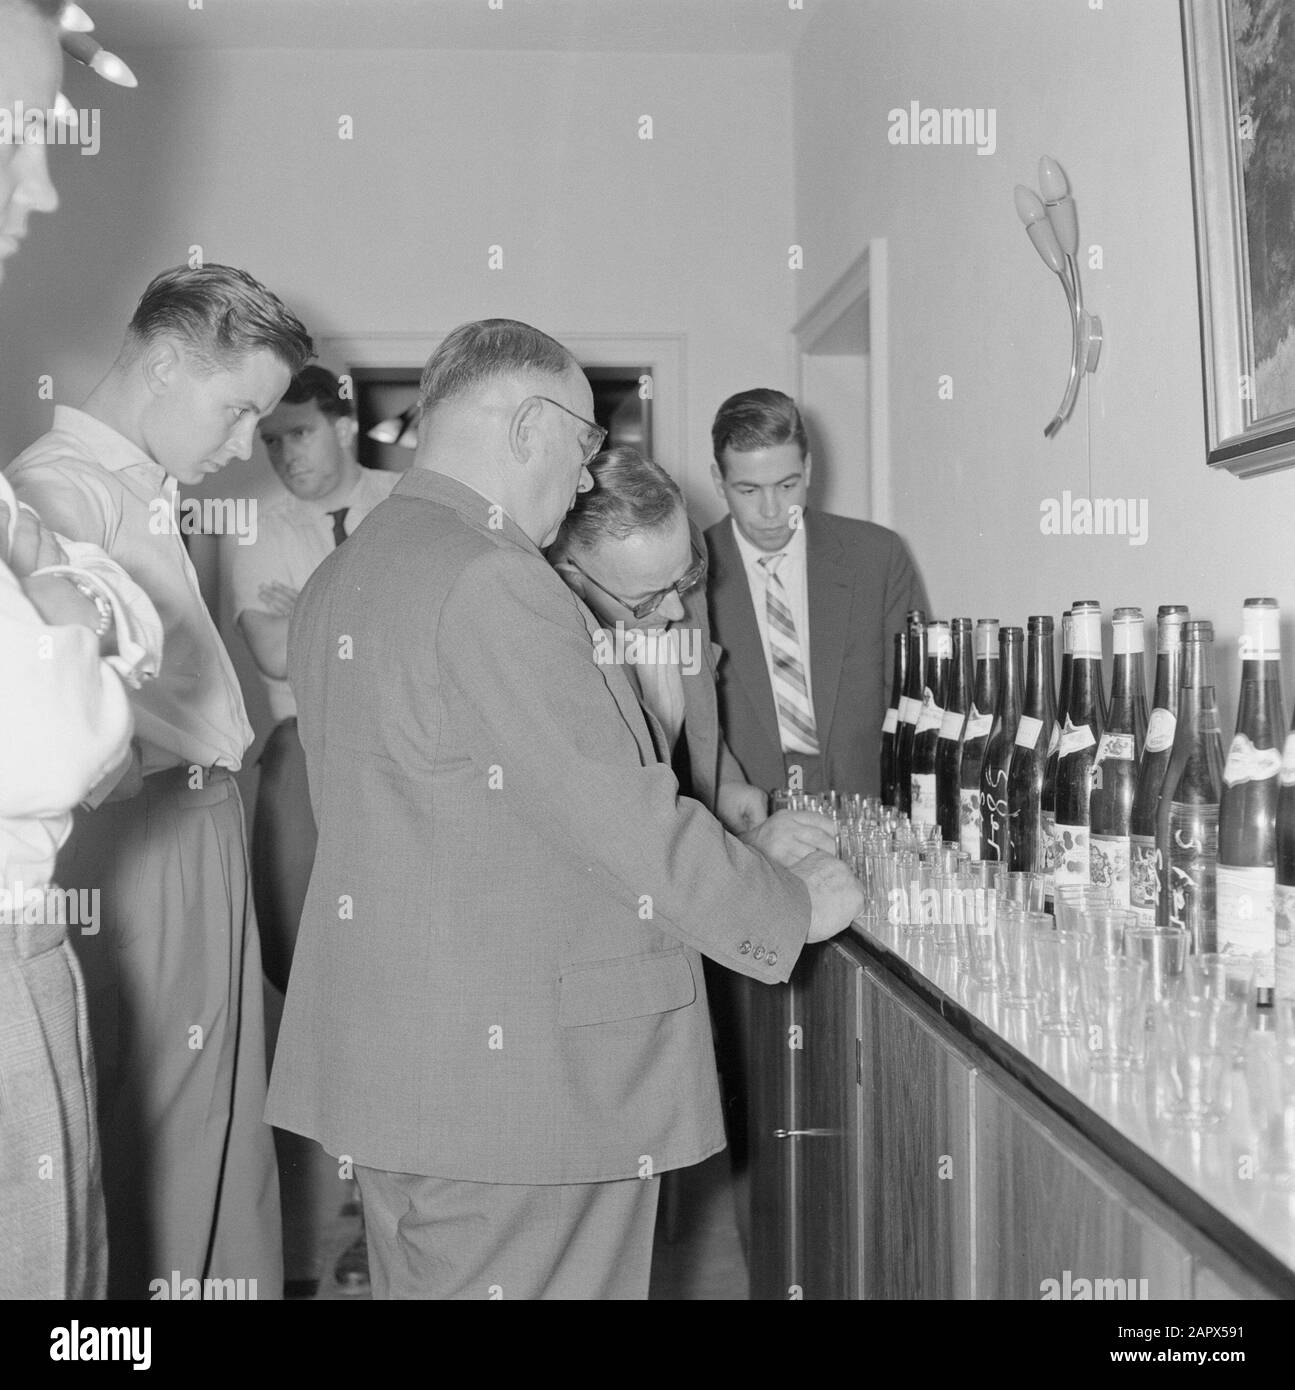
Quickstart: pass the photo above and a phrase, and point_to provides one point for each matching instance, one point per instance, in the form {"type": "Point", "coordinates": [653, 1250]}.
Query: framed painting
{"type": "Point", "coordinates": [1238, 56]}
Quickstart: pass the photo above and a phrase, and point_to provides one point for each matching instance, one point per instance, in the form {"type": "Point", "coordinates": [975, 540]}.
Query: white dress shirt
{"type": "Point", "coordinates": [88, 482]}
{"type": "Point", "coordinates": [65, 719]}
{"type": "Point", "coordinates": [795, 583]}
{"type": "Point", "coordinates": [292, 538]}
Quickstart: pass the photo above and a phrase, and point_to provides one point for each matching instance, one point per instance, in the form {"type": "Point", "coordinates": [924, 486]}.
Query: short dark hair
{"type": "Point", "coordinates": [758, 419]}
{"type": "Point", "coordinates": [222, 315]}
{"type": "Point", "coordinates": [630, 494]}
{"type": "Point", "coordinates": [475, 352]}
{"type": "Point", "coordinates": [318, 384]}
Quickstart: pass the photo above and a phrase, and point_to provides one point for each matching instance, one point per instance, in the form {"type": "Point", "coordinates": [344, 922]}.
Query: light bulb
{"type": "Point", "coordinates": [1052, 179]}
{"type": "Point", "coordinates": [75, 19]}
{"type": "Point", "coordinates": [1029, 206]}
{"type": "Point", "coordinates": [112, 69]}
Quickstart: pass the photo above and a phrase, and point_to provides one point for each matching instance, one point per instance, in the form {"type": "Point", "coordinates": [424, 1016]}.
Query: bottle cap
{"type": "Point", "coordinates": [1086, 632]}
{"type": "Point", "coordinates": [987, 638]}
{"type": "Point", "coordinates": [1259, 635]}
{"type": "Point", "coordinates": [1128, 631]}
{"type": "Point", "coordinates": [939, 641]}
{"type": "Point", "coordinates": [1170, 620]}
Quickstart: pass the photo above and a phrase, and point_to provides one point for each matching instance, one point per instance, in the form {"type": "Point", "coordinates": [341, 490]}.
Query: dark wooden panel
{"type": "Point", "coordinates": [1046, 1212]}
{"type": "Point", "coordinates": [825, 1138]}
{"type": "Point", "coordinates": [916, 1201]}
{"type": "Point", "coordinates": [771, 1257]}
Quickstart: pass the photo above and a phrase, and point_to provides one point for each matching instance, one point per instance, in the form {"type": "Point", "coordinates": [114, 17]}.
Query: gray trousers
{"type": "Point", "coordinates": [441, 1238]}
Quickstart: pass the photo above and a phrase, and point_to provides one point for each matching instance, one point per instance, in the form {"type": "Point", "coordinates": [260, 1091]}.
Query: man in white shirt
{"type": "Point", "coordinates": [174, 974]}
{"type": "Point", "coordinates": [310, 439]}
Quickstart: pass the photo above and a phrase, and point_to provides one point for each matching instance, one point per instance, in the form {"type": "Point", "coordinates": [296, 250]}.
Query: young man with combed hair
{"type": "Point", "coordinates": [174, 973]}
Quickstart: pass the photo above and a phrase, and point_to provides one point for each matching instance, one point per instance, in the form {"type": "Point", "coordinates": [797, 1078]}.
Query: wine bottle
{"type": "Point", "coordinates": [1248, 810]}
{"type": "Point", "coordinates": [976, 730]}
{"type": "Point", "coordinates": [1115, 766]}
{"type": "Point", "coordinates": [948, 750]}
{"type": "Point", "coordinates": [909, 708]}
{"type": "Point", "coordinates": [1078, 746]}
{"type": "Point", "coordinates": [1030, 752]}
{"type": "Point", "coordinates": [891, 723]}
{"type": "Point", "coordinates": [994, 843]}
{"type": "Point", "coordinates": [926, 733]}
{"type": "Point", "coordinates": [1187, 813]}
{"type": "Point", "coordinates": [1144, 875]}
{"type": "Point", "coordinates": [1284, 900]}
{"type": "Point", "coordinates": [1049, 799]}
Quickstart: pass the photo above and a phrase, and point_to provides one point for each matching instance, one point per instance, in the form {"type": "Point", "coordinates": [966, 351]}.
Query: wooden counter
{"type": "Point", "coordinates": [904, 1144]}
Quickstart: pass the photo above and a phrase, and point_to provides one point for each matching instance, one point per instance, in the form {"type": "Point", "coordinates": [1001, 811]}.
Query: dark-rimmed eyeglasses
{"type": "Point", "coordinates": [687, 581]}
{"type": "Point", "coordinates": [591, 450]}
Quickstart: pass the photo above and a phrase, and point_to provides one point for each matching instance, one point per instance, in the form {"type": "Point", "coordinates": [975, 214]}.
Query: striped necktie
{"type": "Point", "coordinates": [339, 524]}
{"type": "Point", "coordinates": [790, 689]}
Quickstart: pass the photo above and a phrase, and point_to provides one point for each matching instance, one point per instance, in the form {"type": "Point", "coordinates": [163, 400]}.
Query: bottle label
{"type": "Point", "coordinates": [969, 821]}
{"type": "Point", "coordinates": [1027, 731]}
{"type": "Point", "coordinates": [1144, 879]}
{"type": "Point", "coordinates": [1246, 763]}
{"type": "Point", "coordinates": [951, 724]}
{"type": "Point", "coordinates": [891, 721]}
{"type": "Point", "coordinates": [930, 715]}
{"type": "Point", "coordinates": [922, 811]}
{"type": "Point", "coordinates": [1073, 740]}
{"type": "Point", "coordinates": [1054, 738]}
{"type": "Point", "coordinates": [909, 709]}
{"type": "Point", "coordinates": [1246, 904]}
{"type": "Point", "coordinates": [979, 725]}
{"type": "Point", "coordinates": [1284, 923]}
{"type": "Point", "coordinates": [1072, 854]}
{"type": "Point", "coordinates": [1086, 637]}
{"type": "Point", "coordinates": [1115, 746]}
{"type": "Point", "coordinates": [1109, 866]}
{"type": "Point", "coordinates": [1048, 849]}
{"type": "Point", "coordinates": [1160, 731]}
{"type": "Point", "coordinates": [1193, 868]}
{"type": "Point", "coordinates": [1288, 761]}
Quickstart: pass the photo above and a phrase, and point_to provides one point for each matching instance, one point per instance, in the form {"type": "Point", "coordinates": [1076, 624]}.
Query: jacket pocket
{"type": "Point", "coordinates": [628, 987]}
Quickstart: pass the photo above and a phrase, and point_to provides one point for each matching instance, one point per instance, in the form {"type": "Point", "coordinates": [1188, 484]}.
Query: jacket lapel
{"type": "Point", "coordinates": [733, 618]}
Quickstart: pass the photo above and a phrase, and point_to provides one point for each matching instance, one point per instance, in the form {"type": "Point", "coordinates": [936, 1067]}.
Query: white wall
{"type": "Point", "coordinates": [602, 232]}
{"type": "Point", "coordinates": [1102, 91]}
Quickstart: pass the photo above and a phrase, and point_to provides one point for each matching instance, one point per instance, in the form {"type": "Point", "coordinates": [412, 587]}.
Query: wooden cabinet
{"type": "Point", "coordinates": [895, 1157]}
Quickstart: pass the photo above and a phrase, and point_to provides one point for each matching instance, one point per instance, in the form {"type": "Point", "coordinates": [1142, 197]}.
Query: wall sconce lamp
{"type": "Point", "coordinates": [401, 430]}
{"type": "Point", "coordinates": [74, 35]}
{"type": "Point", "coordinates": [1053, 224]}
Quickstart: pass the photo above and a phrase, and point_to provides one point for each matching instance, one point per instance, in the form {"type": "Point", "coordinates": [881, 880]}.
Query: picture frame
{"type": "Point", "coordinates": [1249, 381]}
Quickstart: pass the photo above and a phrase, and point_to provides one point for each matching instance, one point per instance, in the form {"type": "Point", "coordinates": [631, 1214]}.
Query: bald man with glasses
{"type": "Point", "coordinates": [497, 1010]}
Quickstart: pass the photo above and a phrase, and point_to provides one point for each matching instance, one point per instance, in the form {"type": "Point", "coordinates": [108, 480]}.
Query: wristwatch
{"type": "Point", "coordinates": [101, 604]}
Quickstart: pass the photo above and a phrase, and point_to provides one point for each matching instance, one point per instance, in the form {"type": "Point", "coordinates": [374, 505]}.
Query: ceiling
{"type": "Point", "coordinates": [644, 26]}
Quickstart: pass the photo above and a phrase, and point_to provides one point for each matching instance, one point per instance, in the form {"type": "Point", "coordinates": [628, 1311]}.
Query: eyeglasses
{"type": "Point", "coordinates": [690, 578]}
{"type": "Point", "coordinates": [591, 450]}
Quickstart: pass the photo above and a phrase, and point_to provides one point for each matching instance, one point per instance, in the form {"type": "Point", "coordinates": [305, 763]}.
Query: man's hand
{"type": "Point", "coordinates": [788, 836]}
{"type": "Point", "coordinates": [279, 599]}
{"type": "Point", "coordinates": [34, 547]}
{"type": "Point", "coordinates": [835, 895]}
{"type": "Point", "coordinates": [741, 806]}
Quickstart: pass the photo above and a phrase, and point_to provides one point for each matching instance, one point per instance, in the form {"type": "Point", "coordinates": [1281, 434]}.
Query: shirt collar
{"type": "Point", "coordinates": [112, 450]}
{"type": "Point", "coordinates": [752, 555]}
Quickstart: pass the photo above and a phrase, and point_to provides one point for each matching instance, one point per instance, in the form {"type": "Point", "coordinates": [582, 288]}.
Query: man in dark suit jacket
{"type": "Point", "coordinates": [497, 1009]}
{"type": "Point", "coordinates": [804, 605]}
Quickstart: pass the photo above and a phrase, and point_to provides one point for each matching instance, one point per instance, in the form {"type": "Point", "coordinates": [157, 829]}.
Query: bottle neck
{"type": "Point", "coordinates": [1168, 671]}
{"type": "Point", "coordinates": [987, 672]}
{"type": "Point", "coordinates": [1039, 686]}
{"type": "Point", "coordinates": [1009, 681]}
{"type": "Point", "coordinates": [901, 661]}
{"type": "Point", "coordinates": [916, 661]}
{"type": "Point", "coordinates": [1126, 680]}
{"type": "Point", "coordinates": [1259, 714]}
{"type": "Point", "coordinates": [1085, 705]}
{"type": "Point", "coordinates": [936, 679]}
{"type": "Point", "coordinates": [1196, 693]}
{"type": "Point", "coordinates": [959, 693]}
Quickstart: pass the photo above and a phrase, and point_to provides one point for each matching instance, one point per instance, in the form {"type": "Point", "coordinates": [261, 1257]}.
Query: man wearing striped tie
{"type": "Point", "coordinates": [803, 603]}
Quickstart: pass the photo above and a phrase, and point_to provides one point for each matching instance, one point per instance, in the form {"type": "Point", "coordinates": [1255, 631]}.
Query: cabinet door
{"type": "Point", "coordinates": [1052, 1208]}
{"type": "Point", "coordinates": [917, 1167]}
{"type": "Point", "coordinates": [771, 1255]}
{"type": "Point", "coordinates": [824, 1142]}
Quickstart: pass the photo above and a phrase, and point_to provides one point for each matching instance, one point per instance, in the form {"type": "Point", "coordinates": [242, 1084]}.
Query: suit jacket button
{"type": "Point", "coordinates": [744, 948]}
{"type": "Point", "coordinates": [771, 958]}
{"type": "Point", "coordinates": [758, 953]}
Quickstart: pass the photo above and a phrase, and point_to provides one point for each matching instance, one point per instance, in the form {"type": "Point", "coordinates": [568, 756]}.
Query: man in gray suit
{"type": "Point", "coordinates": [804, 604]}
{"type": "Point", "coordinates": [497, 1010]}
